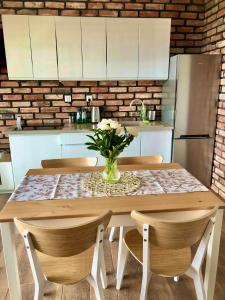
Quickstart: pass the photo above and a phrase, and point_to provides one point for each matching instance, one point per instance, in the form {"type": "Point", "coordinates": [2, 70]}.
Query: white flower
{"type": "Point", "coordinates": [114, 124]}
{"type": "Point", "coordinates": [104, 125]}
{"type": "Point", "coordinates": [132, 130]}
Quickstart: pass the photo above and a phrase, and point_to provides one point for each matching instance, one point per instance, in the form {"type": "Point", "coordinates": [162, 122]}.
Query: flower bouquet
{"type": "Point", "coordinates": [110, 139]}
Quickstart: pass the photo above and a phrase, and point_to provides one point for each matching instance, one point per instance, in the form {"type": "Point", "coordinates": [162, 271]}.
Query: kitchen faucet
{"type": "Point", "coordinates": [142, 111]}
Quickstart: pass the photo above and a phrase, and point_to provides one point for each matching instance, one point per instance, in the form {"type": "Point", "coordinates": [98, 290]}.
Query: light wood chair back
{"type": "Point", "coordinates": [172, 234]}
{"type": "Point", "coordinates": [63, 242]}
{"type": "Point", "coordinates": [70, 162]}
{"type": "Point", "coordinates": [137, 160]}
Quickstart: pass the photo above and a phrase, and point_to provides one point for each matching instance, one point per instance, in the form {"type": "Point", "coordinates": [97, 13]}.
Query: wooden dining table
{"type": "Point", "coordinates": [121, 207]}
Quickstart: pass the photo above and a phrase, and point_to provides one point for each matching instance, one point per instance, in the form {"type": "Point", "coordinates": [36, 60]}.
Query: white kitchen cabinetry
{"type": "Point", "coordinates": [154, 43]}
{"type": "Point", "coordinates": [43, 45]}
{"type": "Point", "coordinates": [17, 47]}
{"type": "Point", "coordinates": [68, 35]}
{"type": "Point", "coordinates": [27, 151]}
{"type": "Point", "coordinates": [122, 48]}
{"type": "Point", "coordinates": [6, 174]}
{"type": "Point", "coordinates": [157, 143]}
{"type": "Point", "coordinates": [94, 48]}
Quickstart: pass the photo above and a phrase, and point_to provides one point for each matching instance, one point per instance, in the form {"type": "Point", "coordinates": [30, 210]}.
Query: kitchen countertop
{"type": "Point", "coordinates": [79, 128]}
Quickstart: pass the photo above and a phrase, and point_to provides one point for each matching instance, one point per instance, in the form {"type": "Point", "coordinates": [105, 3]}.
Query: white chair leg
{"type": "Point", "coordinates": [144, 285]}
{"type": "Point", "coordinates": [103, 272]}
{"type": "Point", "coordinates": [119, 257]}
{"type": "Point", "coordinates": [176, 278]}
{"type": "Point", "coordinates": [111, 235]}
{"type": "Point", "coordinates": [97, 285]}
{"type": "Point", "coordinates": [199, 286]}
{"type": "Point", "coordinates": [121, 266]}
{"type": "Point", "coordinates": [39, 291]}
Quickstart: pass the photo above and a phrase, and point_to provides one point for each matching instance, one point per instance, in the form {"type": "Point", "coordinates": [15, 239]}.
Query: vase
{"type": "Point", "coordinates": [111, 174]}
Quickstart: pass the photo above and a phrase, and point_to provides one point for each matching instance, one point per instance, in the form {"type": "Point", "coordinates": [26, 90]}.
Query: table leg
{"type": "Point", "coordinates": [212, 256]}
{"type": "Point", "coordinates": [11, 265]}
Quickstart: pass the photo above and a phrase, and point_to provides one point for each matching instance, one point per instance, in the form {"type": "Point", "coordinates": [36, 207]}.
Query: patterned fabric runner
{"type": "Point", "coordinates": [69, 186]}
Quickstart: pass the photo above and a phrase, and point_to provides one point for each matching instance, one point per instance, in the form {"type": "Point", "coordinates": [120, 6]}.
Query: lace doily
{"type": "Point", "coordinates": [94, 183]}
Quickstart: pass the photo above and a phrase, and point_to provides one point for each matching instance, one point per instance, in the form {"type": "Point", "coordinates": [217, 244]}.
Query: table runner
{"type": "Point", "coordinates": [69, 186]}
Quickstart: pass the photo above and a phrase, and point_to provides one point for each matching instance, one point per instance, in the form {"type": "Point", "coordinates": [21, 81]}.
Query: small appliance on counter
{"type": "Point", "coordinates": [95, 114]}
{"type": "Point", "coordinates": [151, 114]}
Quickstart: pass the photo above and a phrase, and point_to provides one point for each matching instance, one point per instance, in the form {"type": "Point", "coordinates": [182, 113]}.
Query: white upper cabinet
{"type": "Point", "coordinates": [43, 45]}
{"type": "Point", "coordinates": [94, 48]}
{"type": "Point", "coordinates": [17, 46]}
{"type": "Point", "coordinates": [68, 36]}
{"type": "Point", "coordinates": [122, 48]}
{"type": "Point", "coordinates": [154, 44]}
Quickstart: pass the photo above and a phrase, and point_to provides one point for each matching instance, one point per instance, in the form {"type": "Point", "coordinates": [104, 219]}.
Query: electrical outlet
{"type": "Point", "coordinates": [89, 98]}
{"type": "Point", "coordinates": [67, 98]}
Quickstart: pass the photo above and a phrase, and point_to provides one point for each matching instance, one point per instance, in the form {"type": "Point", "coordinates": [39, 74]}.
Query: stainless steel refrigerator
{"type": "Point", "coordinates": [189, 103]}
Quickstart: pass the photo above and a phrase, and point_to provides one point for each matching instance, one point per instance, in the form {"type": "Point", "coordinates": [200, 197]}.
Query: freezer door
{"type": "Point", "coordinates": [197, 94]}
{"type": "Point", "coordinates": [196, 156]}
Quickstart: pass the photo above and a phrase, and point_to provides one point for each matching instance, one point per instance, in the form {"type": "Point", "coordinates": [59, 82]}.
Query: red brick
{"type": "Point", "coordinates": [78, 96]}
{"type": "Point", "coordinates": [114, 102]}
{"type": "Point", "coordinates": [29, 110]}
{"type": "Point", "coordinates": [12, 97]}
{"type": "Point", "coordinates": [154, 6]}
{"type": "Point", "coordinates": [12, 4]}
{"type": "Point", "coordinates": [29, 83]}
{"type": "Point", "coordinates": [60, 103]}
{"type": "Point", "coordinates": [53, 96]}
{"type": "Point", "coordinates": [129, 13]}
{"type": "Point", "coordinates": [108, 13]}
{"type": "Point", "coordinates": [108, 83]}
{"type": "Point", "coordinates": [33, 97]}
{"type": "Point", "coordinates": [88, 83]}
{"type": "Point", "coordinates": [41, 103]}
{"type": "Point", "coordinates": [99, 90]}
{"type": "Point", "coordinates": [137, 89]}
{"type": "Point", "coordinates": [70, 13]}
{"type": "Point", "coordinates": [113, 6]}
{"type": "Point", "coordinates": [125, 96]}
{"type": "Point", "coordinates": [27, 12]}
{"type": "Point", "coordinates": [118, 89]}
{"type": "Point", "coordinates": [34, 4]}
{"type": "Point", "coordinates": [169, 14]}
{"type": "Point", "coordinates": [34, 122]}
{"type": "Point", "coordinates": [20, 104]}
{"type": "Point", "coordinates": [106, 96]}
{"type": "Point", "coordinates": [60, 90]}
{"type": "Point", "coordinates": [80, 90]}
{"type": "Point", "coordinates": [119, 114]}
{"type": "Point", "coordinates": [143, 95]}
{"type": "Point", "coordinates": [95, 6]}
{"type": "Point", "coordinates": [41, 90]}
{"type": "Point", "coordinates": [188, 15]}
{"type": "Point", "coordinates": [48, 12]}
{"type": "Point", "coordinates": [9, 84]}
{"type": "Point", "coordinates": [54, 4]}
{"type": "Point", "coordinates": [89, 13]}
{"type": "Point", "coordinates": [4, 104]}
{"type": "Point", "coordinates": [127, 83]}
{"type": "Point", "coordinates": [175, 7]}
{"type": "Point", "coordinates": [69, 83]}
{"type": "Point", "coordinates": [76, 5]}
{"type": "Point", "coordinates": [50, 109]}
{"type": "Point", "coordinates": [44, 116]}
{"type": "Point", "coordinates": [5, 90]}
{"type": "Point", "coordinates": [134, 6]}
{"type": "Point", "coordinates": [149, 14]}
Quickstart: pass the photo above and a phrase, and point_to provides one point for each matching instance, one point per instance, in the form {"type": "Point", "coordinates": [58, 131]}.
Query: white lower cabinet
{"type": "Point", "coordinates": [27, 152]}
{"type": "Point", "coordinates": [6, 175]}
{"type": "Point", "coordinates": [157, 143]}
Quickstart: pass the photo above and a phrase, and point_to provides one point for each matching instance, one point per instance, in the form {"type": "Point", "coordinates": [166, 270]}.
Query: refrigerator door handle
{"type": "Point", "coordinates": [195, 136]}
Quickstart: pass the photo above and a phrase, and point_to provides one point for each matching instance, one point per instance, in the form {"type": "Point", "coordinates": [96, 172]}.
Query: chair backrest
{"type": "Point", "coordinates": [63, 242]}
{"type": "Point", "coordinates": [143, 160]}
{"type": "Point", "coordinates": [70, 162]}
{"type": "Point", "coordinates": [172, 234]}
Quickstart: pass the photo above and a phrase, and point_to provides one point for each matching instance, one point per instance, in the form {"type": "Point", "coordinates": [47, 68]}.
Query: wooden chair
{"type": "Point", "coordinates": [66, 255]}
{"type": "Point", "coordinates": [164, 247]}
{"type": "Point", "coordinates": [70, 162]}
{"type": "Point", "coordinates": [140, 160]}
{"type": "Point", "coordinates": [135, 160]}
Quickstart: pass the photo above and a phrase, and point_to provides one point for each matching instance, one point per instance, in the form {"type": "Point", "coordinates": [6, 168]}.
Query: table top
{"type": "Point", "coordinates": [61, 208]}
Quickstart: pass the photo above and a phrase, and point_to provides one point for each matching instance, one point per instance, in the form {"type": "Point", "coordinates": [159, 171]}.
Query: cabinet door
{"type": "Point", "coordinates": [6, 176]}
{"type": "Point", "coordinates": [157, 143]}
{"type": "Point", "coordinates": [27, 152]}
{"type": "Point", "coordinates": [68, 35]}
{"type": "Point", "coordinates": [122, 48]}
{"type": "Point", "coordinates": [94, 48]}
{"type": "Point", "coordinates": [17, 47]}
{"type": "Point", "coordinates": [154, 48]}
{"type": "Point", "coordinates": [43, 45]}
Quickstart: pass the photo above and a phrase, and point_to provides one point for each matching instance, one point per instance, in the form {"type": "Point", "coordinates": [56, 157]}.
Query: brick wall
{"type": "Point", "coordinates": [41, 102]}
{"type": "Point", "coordinates": [214, 42]}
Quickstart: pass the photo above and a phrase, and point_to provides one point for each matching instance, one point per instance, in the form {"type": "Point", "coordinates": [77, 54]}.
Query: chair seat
{"type": "Point", "coordinates": [164, 262]}
{"type": "Point", "coordinates": [77, 267]}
